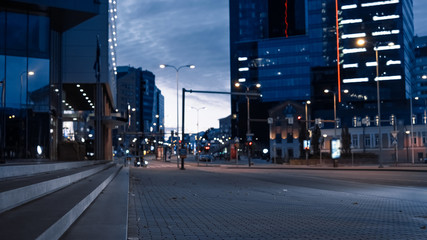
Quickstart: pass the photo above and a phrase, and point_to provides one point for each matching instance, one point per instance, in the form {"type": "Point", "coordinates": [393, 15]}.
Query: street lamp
{"type": "Point", "coordinates": [306, 110]}
{"type": "Point", "coordinates": [335, 109]}
{"type": "Point", "coordinates": [28, 73]}
{"type": "Point", "coordinates": [177, 92]}
{"type": "Point", "coordinates": [197, 140]}
{"type": "Point", "coordinates": [248, 131]}
{"type": "Point", "coordinates": [362, 42]}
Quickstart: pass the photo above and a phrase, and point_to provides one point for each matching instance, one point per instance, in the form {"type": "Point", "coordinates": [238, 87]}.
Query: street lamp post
{"type": "Point", "coordinates": [197, 140]}
{"type": "Point", "coordinates": [335, 110]}
{"type": "Point", "coordinates": [26, 73]}
{"type": "Point", "coordinates": [362, 42]}
{"type": "Point", "coordinates": [177, 95]}
{"type": "Point", "coordinates": [306, 113]}
{"type": "Point", "coordinates": [3, 121]}
{"type": "Point", "coordinates": [248, 131]}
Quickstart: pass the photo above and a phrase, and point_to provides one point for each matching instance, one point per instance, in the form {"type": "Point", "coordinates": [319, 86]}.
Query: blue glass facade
{"type": "Point", "coordinates": [25, 78]}
{"type": "Point", "coordinates": [297, 65]}
{"type": "Point", "coordinates": [281, 61]}
{"type": "Point", "coordinates": [387, 29]}
{"type": "Point", "coordinates": [41, 75]}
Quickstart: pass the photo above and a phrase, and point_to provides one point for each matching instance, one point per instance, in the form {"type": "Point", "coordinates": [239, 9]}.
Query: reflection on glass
{"type": "Point", "coordinates": [16, 32]}
{"type": "Point", "coordinates": [38, 84]}
{"type": "Point", "coordinates": [15, 81]}
{"type": "Point", "coordinates": [2, 79]}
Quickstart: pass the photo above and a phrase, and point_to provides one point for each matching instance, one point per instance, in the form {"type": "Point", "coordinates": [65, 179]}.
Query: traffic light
{"type": "Point", "coordinates": [250, 143]}
{"type": "Point", "coordinates": [299, 117]}
{"type": "Point", "coordinates": [392, 120]}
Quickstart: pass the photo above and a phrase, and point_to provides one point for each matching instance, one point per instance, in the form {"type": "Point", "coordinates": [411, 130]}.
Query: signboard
{"type": "Point", "coordinates": [182, 153]}
{"type": "Point", "coordinates": [306, 144]}
{"type": "Point", "coordinates": [394, 134]}
{"type": "Point", "coordinates": [249, 137]}
{"type": "Point", "coordinates": [335, 148]}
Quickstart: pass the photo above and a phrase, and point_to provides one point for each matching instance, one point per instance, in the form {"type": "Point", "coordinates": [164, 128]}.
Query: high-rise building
{"type": "Point", "coordinates": [296, 49]}
{"type": "Point", "coordinates": [420, 75]}
{"type": "Point", "coordinates": [386, 28]}
{"type": "Point", "coordinates": [143, 102]}
{"type": "Point", "coordinates": [51, 93]}
{"type": "Point", "coordinates": [277, 43]}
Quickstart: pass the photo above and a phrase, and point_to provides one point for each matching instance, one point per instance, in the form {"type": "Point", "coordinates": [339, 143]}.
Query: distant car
{"type": "Point", "coordinates": [139, 162]}
{"type": "Point", "coordinates": [205, 158]}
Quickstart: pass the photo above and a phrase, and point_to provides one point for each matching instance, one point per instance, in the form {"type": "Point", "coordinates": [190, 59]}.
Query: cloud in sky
{"type": "Point", "coordinates": [178, 33]}
{"type": "Point", "coordinates": [154, 32]}
{"type": "Point", "coordinates": [420, 17]}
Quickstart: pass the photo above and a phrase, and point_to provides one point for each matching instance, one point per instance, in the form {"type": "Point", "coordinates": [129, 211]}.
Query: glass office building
{"type": "Point", "coordinates": [290, 48]}
{"type": "Point", "coordinates": [386, 28]}
{"type": "Point", "coordinates": [47, 49]}
{"type": "Point", "coordinates": [276, 44]}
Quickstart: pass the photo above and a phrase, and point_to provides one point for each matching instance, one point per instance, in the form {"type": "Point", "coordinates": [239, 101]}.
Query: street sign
{"type": "Point", "coordinates": [394, 141]}
{"type": "Point", "coordinates": [394, 134]}
{"type": "Point", "coordinates": [183, 153]}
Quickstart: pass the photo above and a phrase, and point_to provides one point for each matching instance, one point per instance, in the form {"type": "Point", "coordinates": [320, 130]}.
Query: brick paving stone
{"type": "Point", "coordinates": [219, 203]}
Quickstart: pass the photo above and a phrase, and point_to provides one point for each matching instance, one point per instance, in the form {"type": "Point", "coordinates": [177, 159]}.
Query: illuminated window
{"type": "Point", "coordinates": [349, 21]}
{"type": "Point", "coordinates": [352, 65]}
{"type": "Point", "coordinates": [353, 50]}
{"type": "Point", "coordinates": [355, 80]}
{"type": "Point", "coordinates": [372, 4]}
{"type": "Point", "coordinates": [381, 18]}
{"type": "Point", "coordinates": [353, 35]}
{"type": "Point", "coordinates": [351, 6]}
{"type": "Point", "coordinates": [387, 78]}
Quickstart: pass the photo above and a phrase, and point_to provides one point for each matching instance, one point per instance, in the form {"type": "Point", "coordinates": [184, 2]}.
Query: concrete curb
{"type": "Point", "coordinates": [16, 197]}
{"type": "Point", "coordinates": [8, 171]}
{"type": "Point", "coordinates": [60, 226]}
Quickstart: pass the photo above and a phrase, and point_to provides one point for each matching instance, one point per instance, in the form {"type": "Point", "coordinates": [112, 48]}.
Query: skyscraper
{"type": "Point", "coordinates": [295, 49]}
{"type": "Point", "coordinates": [143, 102]}
{"type": "Point", "coordinates": [276, 43]}
{"type": "Point", "coordinates": [386, 28]}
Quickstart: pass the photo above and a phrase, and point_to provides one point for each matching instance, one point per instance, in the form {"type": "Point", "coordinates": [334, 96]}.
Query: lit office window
{"type": "Point", "coordinates": [350, 6]}
{"type": "Point", "coordinates": [381, 18]}
{"type": "Point", "coordinates": [355, 80]}
{"type": "Point", "coordinates": [379, 3]}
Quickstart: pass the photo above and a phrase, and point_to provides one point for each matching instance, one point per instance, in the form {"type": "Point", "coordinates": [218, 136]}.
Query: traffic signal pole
{"type": "Point", "coordinates": [183, 156]}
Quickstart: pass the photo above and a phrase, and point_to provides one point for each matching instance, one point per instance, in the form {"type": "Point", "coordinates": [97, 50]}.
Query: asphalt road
{"type": "Point", "coordinates": [240, 203]}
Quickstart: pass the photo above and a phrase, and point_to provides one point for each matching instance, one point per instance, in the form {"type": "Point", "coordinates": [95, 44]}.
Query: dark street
{"type": "Point", "coordinates": [241, 203]}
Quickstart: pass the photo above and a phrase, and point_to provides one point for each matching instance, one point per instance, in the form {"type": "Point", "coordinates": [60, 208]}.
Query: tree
{"type": "Point", "coordinates": [315, 140]}
{"type": "Point", "coordinates": [345, 141]}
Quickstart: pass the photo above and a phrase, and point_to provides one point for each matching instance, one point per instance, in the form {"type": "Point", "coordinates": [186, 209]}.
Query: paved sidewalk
{"type": "Point", "coordinates": [260, 163]}
{"type": "Point", "coordinates": [106, 218]}
{"type": "Point", "coordinates": [241, 203]}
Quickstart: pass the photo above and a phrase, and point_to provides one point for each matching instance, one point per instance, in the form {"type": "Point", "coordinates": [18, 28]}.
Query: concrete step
{"type": "Point", "coordinates": [49, 216]}
{"type": "Point", "coordinates": [107, 217]}
{"type": "Point", "coordinates": [21, 189]}
{"type": "Point", "coordinates": [31, 168]}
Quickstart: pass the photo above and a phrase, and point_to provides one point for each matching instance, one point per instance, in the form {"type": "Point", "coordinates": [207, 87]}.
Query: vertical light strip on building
{"type": "Point", "coordinates": [338, 50]}
{"type": "Point", "coordinates": [286, 18]}
{"type": "Point", "coordinates": [112, 10]}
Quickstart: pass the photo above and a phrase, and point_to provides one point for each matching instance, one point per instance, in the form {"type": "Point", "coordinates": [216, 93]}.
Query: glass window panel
{"type": "Point", "coordinates": [2, 79]}
{"type": "Point", "coordinates": [16, 32]}
{"type": "Point", "coordinates": [38, 84]}
{"type": "Point", "coordinates": [16, 68]}
{"type": "Point", "coordinates": [2, 31]}
{"type": "Point", "coordinates": [38, 36]}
